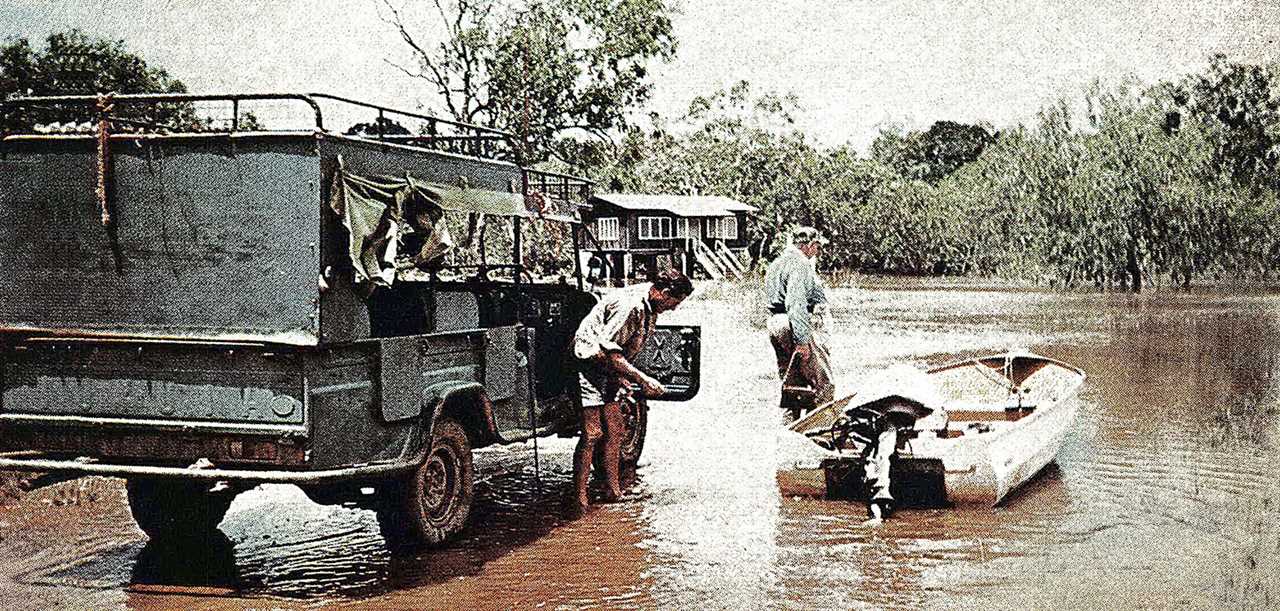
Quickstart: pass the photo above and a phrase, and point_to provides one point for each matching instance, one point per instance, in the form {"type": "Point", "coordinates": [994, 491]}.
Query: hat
{"type": "Point", "coordinates": [808, 235]}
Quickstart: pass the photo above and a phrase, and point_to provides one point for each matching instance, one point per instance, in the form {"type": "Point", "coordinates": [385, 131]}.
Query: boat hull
{"type": "Point", "coordinates": [1004, 419]}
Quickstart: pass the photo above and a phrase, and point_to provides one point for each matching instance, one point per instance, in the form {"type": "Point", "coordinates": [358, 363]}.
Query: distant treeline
{"type": "Point", "coordinates": [1123, 186]}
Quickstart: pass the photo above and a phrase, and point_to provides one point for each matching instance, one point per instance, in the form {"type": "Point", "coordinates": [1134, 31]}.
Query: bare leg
{"type": "Point", "coordinates": [611, 414]}
{"type": "Point", "coordinates": [591, 434]}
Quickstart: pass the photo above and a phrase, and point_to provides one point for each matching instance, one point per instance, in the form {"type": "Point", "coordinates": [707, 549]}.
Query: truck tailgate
{"type": "Point", "coordinates": [129, 383]}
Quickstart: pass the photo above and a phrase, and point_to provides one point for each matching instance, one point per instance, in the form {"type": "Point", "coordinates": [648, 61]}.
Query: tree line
{"type": "Point", "coordinates": [1122, 185]}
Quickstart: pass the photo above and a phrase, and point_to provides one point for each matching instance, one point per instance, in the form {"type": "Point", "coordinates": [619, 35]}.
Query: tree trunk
{"type": "Point", "coordinates": [1133, 270]}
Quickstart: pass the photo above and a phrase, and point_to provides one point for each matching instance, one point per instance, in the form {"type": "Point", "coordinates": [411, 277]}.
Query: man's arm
{"type": "Point", "coordinates": [619, 363]}
{"type": "Point", "coordinates": [617, 331]}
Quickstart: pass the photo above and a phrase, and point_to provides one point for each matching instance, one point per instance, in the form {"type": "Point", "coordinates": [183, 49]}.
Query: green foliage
{"type": "Point", "coordinates": [932, 154]}
{"type": "Point", "coordinates": [542, 68]}
{"type": "Point", "coordinates": [72, 63]}
{"type": "Point", "coordinates": [1124, 187]}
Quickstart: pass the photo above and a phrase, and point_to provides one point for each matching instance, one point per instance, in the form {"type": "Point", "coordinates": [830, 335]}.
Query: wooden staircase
{"type": "Point", "coordinates": [708, 260]}
{"type": "Point", "coordinates": [720, 262]}
{"type": "Point", "coordinates": [731, 259]}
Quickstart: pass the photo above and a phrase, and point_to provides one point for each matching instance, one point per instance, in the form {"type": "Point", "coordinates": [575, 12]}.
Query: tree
{"type": "Point", "coordinates": [381, 126]}
{"type": "Point", "coordinates": [1238, 101]}
{"type": "Point", "coordinates": [72, 63]}
{"type": "Point", "coordinates": [934, 153]}
{"type": "Point", "coordinates": [541, 68]}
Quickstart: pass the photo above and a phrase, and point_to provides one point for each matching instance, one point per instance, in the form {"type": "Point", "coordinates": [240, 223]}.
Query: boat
{"type": "Point", "coordinates": [984, 427]}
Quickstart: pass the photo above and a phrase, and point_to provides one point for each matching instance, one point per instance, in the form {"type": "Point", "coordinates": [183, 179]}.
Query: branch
{"type": "Point", "coordinates": [421, 75]}
{"type": "Point", "coordinates": [439, 78]}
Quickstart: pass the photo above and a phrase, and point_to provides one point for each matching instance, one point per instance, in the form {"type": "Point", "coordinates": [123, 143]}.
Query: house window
{"type": "Point", "coordinates": [655, 228]}
{"type": "Point", "coordinates": [682, 228]}
{"type": "Point", "coordinates": [607, 229]}
{"type": "Point", "coordinates": [724, 228]}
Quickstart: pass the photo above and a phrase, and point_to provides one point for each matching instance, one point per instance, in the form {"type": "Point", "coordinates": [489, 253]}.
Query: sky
{"type": "Point", "coordinates": [856, 66]}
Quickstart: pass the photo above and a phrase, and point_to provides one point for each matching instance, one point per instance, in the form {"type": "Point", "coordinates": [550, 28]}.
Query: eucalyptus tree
{"type": "Point", "coordinates": [542, 69]}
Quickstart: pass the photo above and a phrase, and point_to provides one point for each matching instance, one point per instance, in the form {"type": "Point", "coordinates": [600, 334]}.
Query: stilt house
{"type": "Point", "coordinates": [634, 235]}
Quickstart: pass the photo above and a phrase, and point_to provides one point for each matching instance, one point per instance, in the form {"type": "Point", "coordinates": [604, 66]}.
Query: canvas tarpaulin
{"type": "Point", "coordinates": [388, 217]}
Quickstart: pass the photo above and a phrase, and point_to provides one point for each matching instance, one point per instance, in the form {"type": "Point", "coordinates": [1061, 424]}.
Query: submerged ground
{"type": "Point", "coordinates": [1165, 495]}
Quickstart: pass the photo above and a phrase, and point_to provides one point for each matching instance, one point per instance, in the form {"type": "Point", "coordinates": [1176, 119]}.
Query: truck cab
{"type": "Point", "coordinates": [200, 312]}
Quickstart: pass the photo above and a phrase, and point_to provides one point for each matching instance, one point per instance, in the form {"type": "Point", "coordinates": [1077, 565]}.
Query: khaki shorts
{"type": "Point", "coordinates": [598, 387]}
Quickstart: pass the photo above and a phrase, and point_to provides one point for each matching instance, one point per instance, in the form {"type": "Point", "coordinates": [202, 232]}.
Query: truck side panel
{"type": "Point", "coordinates": [217, 238]}
{"type": "Point", "coordinates": [344, 405]}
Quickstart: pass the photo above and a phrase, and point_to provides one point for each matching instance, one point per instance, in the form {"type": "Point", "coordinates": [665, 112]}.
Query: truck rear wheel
{"type": "Point", "coordinates": [174, 509]}
{"type": "Point", "coordinates": [431, 504]}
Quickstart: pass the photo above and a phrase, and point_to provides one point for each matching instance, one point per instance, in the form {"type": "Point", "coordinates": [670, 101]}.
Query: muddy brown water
{"type": "Point", "coordinates": [1164, 495]}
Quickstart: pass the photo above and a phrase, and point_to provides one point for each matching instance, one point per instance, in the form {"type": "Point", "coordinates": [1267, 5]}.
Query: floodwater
{"type": "Point", "coordinates": [1165, 495]}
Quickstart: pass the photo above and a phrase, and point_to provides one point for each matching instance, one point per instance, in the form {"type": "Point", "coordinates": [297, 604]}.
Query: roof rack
{"type": "Point", "coordinates": [435, 134]}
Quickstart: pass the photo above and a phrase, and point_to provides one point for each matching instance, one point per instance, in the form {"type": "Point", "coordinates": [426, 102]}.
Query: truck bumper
{"type": "Point", "coordinates": [34, 461]}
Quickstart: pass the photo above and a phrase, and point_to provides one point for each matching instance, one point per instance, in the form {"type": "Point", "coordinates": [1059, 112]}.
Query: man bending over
{"type": "Point", "coordinates": [607, 341]}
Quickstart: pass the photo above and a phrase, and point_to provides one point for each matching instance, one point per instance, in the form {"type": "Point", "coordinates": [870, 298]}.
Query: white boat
{"type": "Point", "coordinates": [996, 421]}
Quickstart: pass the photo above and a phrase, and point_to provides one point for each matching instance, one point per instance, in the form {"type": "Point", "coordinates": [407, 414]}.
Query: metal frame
{"type": "Point", "coordinates": [476, 140]}
{"type": "Point", "coordinates": [28, 461]}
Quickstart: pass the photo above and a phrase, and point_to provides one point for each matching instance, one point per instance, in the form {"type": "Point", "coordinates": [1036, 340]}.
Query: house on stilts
{"type": "Point", "coordinates": [634, 235]}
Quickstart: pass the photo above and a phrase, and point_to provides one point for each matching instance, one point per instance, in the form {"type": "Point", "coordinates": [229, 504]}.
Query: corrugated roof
{"type": "Point", "coordinates": [679, 205]}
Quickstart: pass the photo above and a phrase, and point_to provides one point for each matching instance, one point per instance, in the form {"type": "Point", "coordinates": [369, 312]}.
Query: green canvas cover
{"type": "Point", "coordinates": [390, 217]}
{"type": "Point", "coordinates": [381, 215]}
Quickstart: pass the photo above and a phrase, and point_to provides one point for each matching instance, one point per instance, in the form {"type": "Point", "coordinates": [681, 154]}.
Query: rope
{"type": "Point", "coordinates": [105, 106]}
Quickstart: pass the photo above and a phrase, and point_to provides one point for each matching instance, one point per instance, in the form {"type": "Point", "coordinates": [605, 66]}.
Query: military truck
{"type": "Point", "coordinates": [200, 310]}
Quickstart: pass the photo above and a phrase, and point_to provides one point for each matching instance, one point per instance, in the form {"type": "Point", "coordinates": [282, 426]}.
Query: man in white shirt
{"type": "Point", "coordinates": [606, 343]}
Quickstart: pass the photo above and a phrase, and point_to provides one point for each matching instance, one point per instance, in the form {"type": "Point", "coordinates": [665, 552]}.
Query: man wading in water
{"type": "Point", "coordinates": [797, 299]}
{"type": "Point", "coordinates": [608, 339]}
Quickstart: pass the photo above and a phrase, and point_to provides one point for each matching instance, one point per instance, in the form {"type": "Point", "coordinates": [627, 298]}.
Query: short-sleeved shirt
{"type": "Point", "coordinates": [621, 322]}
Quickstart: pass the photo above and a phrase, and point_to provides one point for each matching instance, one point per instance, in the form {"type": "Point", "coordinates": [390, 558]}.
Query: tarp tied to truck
{"type": "Point", "coordinates": [387, 217]}
{"type": "Point", "coordinates": [399, 218]}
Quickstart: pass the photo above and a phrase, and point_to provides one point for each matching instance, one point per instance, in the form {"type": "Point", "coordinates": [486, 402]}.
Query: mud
{"type": "Point", "coordinates": [1164, 496]}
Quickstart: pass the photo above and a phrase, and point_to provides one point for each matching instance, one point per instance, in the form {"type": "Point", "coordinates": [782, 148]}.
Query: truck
{"type": "Point", "coordinates": [201, 310]}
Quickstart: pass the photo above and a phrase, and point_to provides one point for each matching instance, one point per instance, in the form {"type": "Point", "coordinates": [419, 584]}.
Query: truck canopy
{"type": "Point", "coordinates": [219, 236]}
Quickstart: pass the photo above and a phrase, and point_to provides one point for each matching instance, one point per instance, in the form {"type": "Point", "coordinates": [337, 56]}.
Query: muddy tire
{"type": "Point", "coordinates": [431, 504]}
{"type": "Point", "coordinates": [167, 509]}
{"type": "Point", "coordinates": [636, 419]}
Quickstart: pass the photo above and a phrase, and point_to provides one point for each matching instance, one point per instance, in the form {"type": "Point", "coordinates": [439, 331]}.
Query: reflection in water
{"type": "Point", "coordinates": [1161, 497]}
{"type": "Point", "coordinates": [519, 550]}
{"type": "Point", "coordinates": [209, 563]}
